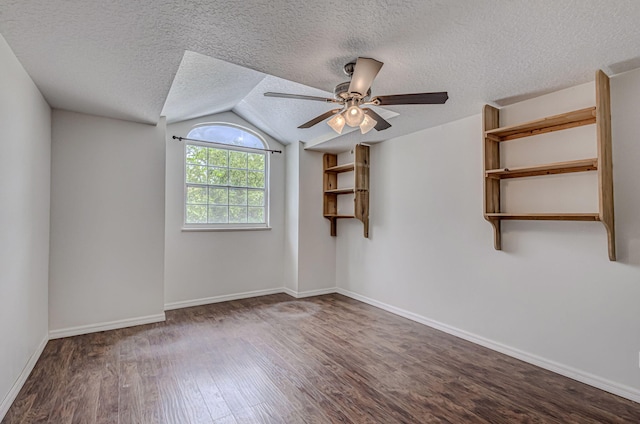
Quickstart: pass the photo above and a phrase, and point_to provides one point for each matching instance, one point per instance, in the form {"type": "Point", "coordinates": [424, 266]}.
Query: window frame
{"type": "Point", "coordinates": [228, 226]}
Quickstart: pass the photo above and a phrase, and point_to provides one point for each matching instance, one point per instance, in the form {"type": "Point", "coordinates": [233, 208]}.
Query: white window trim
{"type": "Point", "coordinates": [267, 177]}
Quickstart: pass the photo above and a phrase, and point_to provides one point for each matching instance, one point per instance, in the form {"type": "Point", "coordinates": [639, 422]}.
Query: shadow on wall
{"type": "Point", "coordinates": [626, 154]}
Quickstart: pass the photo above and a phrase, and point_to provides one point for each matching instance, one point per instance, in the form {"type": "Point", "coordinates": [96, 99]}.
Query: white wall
{"type": "Point", "coordinates": [310, 251]}
{"type": "Point", "coordinates": [107, 222]}
{"type": "Point", "coordinates": [292, 217]}
{"type": "Point", "coordinates": [204, 266]}
{"type": "Point", "coordinates": [25, 153]}
{"type": "Point", "coordinates": [317, 249]}
{"type": "Point", "coordinates": [552, 293]}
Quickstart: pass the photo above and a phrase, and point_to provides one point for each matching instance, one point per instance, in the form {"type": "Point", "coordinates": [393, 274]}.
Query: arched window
{"type": "Point", "coordinates": [226, 183]}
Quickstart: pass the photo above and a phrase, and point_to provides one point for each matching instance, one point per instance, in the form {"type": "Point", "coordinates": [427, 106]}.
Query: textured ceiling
{"type": "Point", "coordinates": [119, 58]}
{"type": "Point", "coordinates": [205, 86]}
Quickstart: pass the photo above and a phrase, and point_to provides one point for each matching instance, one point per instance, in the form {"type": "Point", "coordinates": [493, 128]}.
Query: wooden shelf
{"type": "Point", "coordinates": [545, 216]}
{"type": "Point", "coordinates": [600, 115]}
{"type": "Point", "coordinates": [341, 191]}
{"type": "Point", "coordinates": [360, 189]}
{"type": "Point", "coordinates": [563, 121]}
{"type": "Point", "coordinates": [339, 216]}
{"type": "Point", "coordinates": [347, 167]}
{"type": "Point", "coordinates": [546, 169]}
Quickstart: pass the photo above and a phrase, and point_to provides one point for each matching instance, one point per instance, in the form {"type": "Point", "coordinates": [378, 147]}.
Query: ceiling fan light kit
{"type": "Point", "coordinates": [354, 115]}
{"type": "Point", "coordinates": [337, 123]}
{"type": "Point", "coordinates": [356, 93]}
{"type": "Point", "coordinates": [367, 124]}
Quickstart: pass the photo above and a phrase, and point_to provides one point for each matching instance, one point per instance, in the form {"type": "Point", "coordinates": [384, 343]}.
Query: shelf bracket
{"type": "Point", "coordinates": [491, 159]}
{"type": "Point", "coordinates": [605, 165]}
{"type": "Point", "coordinates": [333, 222]}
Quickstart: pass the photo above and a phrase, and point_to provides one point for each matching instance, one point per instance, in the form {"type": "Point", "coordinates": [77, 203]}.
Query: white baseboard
{"type": "Point", "coordinates": [246, 295]}
{"type": "Point", "coordinates": [575, 374]}
{"type": "Point", "coordinates": [17, 386]}
{"type": "Point", "coordinates": [309, 293]}
{"type": "Point", "coordinates": [218, 299]}
{"type": "Point", "coordinates": [104, 326]}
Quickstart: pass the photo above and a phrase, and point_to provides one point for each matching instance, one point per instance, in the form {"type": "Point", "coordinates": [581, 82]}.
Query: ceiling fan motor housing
{"type": "Point", "coordinates": [341, 92]}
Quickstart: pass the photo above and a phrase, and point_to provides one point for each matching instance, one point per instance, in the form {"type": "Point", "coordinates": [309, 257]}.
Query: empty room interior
{"type": "Point", "coordinates": [316, 212]}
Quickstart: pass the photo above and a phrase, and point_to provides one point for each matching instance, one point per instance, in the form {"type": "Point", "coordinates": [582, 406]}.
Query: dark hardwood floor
{"type": "Point", "coordinates": [276, 359]}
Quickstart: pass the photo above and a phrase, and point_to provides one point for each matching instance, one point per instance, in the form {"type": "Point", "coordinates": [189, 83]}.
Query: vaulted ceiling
{"type": "Point", "coordinates": [136, 60]}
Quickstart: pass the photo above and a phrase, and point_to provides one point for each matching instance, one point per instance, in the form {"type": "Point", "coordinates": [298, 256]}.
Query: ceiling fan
{"type": "Point", "coordinates": [354, 94]}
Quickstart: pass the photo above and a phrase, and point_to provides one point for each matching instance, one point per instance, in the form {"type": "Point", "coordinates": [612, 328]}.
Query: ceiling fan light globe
{"type": "Point", "coordinates": [354, 116]}
{"type": "Point", "coordinates": [337, 123]}
{"type": "Point", "coordinates": [367, 124]}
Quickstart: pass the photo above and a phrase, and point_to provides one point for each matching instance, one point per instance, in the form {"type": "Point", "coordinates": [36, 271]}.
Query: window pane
{"type": "Point", "coordinates": [256, 198]}
{"type": "Point", "coordinates": [197, 195]}
{"type": "Point", "coordinates": [255, 179]}
{"type": "Point", "coordinates": [225, 186]}
{"type": "Point", "coordinates": [218, 176]}
{"type": "Point", "coordinates": [227, 135]}
{"type": "Point", "coordinates": [196, 214]}
{"type": "Point", "coordinates": [256, 215]}
{"type": "Point", "coordinates": [237, 214]}
{"type": "Point", "coordinates": [256, 161]}
{"type": "Point", "coordinates": [218, 196]}
{"type": "Point", "coordinates": [196, 154]}
{"type": "Point", "coordinates": [196, 174]}
{"type": "Point", "coordinates": [237, 159]}
{"type": "Point", "coordinates": [238, 196]}
{"type": "Point", "coordinates": [237, 177]}
{"type": "Point", "coordinates": [218, 157]}
{"type": "Point", "coordinates": [218, 215]}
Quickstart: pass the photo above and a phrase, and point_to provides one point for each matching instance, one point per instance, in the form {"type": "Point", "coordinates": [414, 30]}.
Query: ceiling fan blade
{"type": "Point", "coordinates": [381, 123]}
{"type": "Point", "coordinates": [364, 73]}
{"type": "Point", "coordinates": [301, 97]}
{"type": "Point", "coordinates": [411, 99]}
{"type": "Point", "coordinates": [319, 119]}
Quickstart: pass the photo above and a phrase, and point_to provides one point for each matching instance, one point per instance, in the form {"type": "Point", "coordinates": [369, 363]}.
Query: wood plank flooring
{"type": "Point", "coordinates": [275, 359]}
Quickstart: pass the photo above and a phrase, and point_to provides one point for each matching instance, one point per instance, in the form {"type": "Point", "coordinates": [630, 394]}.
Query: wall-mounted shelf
{"type": "Point", "coordinates": [576, 118]}
{"type": "Point", "coordinates": [360, 189]}
{"type": "Point", "coordinates": [547, 169]}
{"type": "Point", "coordinates": [341, 191]}
{"type": "Point", "coordinates": [339, 216]}
{"type": "Point", "coordinates": [347, 167]}
{"type": "Point", "coordinates": [494, 135]}
{"type": "Point", "coordinates": [545, 216]}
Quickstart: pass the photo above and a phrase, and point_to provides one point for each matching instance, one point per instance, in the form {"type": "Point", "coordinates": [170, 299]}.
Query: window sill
{"type": "Point", "coordinates": [192, 229]}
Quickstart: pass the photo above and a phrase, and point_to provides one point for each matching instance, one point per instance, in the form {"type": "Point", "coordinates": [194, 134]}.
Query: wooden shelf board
{"type": "Point", "coordinates": [347, 167]}
{"type": "Point", "coordinates": [339, 216]}
{"type": "Point", "coordinates": [340, 191]}
{"type": "Point", "coordinates": [545, 169]}
{"type": "Point", "coordinates": [540, 126]}
{"type": "Point", "coordinates": [545, 216]}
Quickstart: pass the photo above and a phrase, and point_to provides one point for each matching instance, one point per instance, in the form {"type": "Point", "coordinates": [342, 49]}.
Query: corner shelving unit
{"type": "Point", "coordinates": [493, 135]}
{"type": "Point", "coordinates": [360, 189]}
